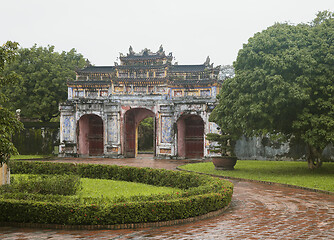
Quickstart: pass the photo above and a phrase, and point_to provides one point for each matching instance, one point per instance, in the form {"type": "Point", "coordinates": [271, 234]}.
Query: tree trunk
{"type": "Point", "coordinates": [314, 158]}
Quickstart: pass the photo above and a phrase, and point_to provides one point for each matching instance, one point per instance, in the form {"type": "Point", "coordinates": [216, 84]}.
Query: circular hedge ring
{"type": "Point", "coordinates": [200, 195]}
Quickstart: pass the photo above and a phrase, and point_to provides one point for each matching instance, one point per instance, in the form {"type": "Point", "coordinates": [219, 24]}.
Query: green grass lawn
{"type": "Point", "coordinates": [113, 190]}
{"type": "Point", "coordinates": [119, 189]}
{"type": "Point", "coordinates": [294, 173]}
{"type": "Point", "coordinates": [27, 156]}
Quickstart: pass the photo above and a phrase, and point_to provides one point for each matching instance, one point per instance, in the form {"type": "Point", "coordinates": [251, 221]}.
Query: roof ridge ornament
{"type": "Point", "coordinates": [146, 52]}
{"type": "Point", "coordinates": [161, 50]}
{"type": "Point", "coordinates": [88, 63]}
{"type": "Point", "coordinates": [207, 61]}
{"type": "Point", "coordinates": [131, 52]}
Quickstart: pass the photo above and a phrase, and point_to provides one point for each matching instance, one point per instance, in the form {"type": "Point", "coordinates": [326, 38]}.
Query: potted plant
{"type": "Point", "coordinates": [223, 144]}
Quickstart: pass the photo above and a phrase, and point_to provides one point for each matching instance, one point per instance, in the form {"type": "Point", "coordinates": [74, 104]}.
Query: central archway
{"type": "Point", "coordinates": [190, 132]}
{"type": "Point", "coordinates": [90, 135]}
{"type": "Point", "coordinates": [132, 118]}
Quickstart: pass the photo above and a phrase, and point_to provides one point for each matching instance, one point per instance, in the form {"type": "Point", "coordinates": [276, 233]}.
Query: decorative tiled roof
{"type": "Point", "coordinates": [140, 80]}
{"type": "Point", "coordinates": [173, 68]}
{"type": "Point", "coordinates": [146, 54]}
{"type": "Point", "coordinates": [97, 69]}
{"type": "Point", "coordinates": [143, 57]}
{"type": "Point", "coordinates": [89, 82]}
{"type": "Point", "coordinates": [140, 66]}
{"type": "Point", "coordinates": [192, 82]}
{"type": "Point", "coordinates": [188, 68]}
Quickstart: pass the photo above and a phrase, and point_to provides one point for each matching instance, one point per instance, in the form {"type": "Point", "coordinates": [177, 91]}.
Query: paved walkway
{"type": "Point", "coordinates": [258, 211]}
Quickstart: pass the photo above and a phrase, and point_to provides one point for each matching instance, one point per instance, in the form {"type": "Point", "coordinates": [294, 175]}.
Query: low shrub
{"type": "Point", "coordinates": [200, 194]}
{"type": "Point", "coordinates": [157, 177]}
{"type": "Point", "coordinates": [44, 184]}
{"type": "Point", "coordinates": [36, 167]}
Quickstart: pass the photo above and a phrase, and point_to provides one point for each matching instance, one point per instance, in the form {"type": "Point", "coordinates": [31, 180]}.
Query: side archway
{"type": "Point", "coordinates": [90, 135]}
{"type": "Point", "coordinates": [190, 136]}
{"type": "Point", "coordinates": [132, 118]}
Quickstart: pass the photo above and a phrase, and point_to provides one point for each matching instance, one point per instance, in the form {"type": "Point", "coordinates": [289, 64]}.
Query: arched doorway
{"type": "Point", "coordinates": [145, 135]}
{"type": "Point", "coordinates": [132, 118]}
{"type": "Point", "coordinates": [90, 135]}
{"type": "Point", "coordinates": [190, 132]}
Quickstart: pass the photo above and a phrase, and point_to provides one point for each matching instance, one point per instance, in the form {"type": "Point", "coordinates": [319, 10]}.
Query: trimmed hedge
{"type": "Point", "coordinates": [201, 194]}
{"type": "Point", "coordinates": [44, 184]}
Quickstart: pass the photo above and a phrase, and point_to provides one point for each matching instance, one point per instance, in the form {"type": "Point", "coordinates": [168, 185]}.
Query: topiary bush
{"type": "Point", "coordinates": [200, 194]}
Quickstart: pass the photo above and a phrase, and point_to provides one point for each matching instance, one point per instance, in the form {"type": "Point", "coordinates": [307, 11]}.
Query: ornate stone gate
{"type": "Point", "coordinates": [106, 104]}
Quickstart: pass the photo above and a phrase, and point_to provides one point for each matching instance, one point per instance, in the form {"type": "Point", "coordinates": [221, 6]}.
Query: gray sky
{"type": "Point", "coordinates": [191, 29]}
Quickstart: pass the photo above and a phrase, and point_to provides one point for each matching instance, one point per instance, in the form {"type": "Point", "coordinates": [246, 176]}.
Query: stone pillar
{"type": "Point", "coordinates": [165, 132]}
{"type": "Point", "coordinates": [112, 131]}
{"type": "Point", "coordinates": [67, 131]}
{"type": "Point", "coordinates": [69, 93]}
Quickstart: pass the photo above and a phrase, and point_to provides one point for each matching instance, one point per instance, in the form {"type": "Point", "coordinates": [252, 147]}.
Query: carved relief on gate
{"type": "Point", "coordinates": [68, 128]}
{"type": "Point", "coordinates": [166, 129]}
{"type": "Point", "coordinates": [112, 126]}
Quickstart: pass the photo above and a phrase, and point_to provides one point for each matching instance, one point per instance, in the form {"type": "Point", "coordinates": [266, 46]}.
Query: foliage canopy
{"type": "Point", "coordinates": [43, 80]}
{"type": "Point", "coordinates": [8, 121]}
{"type": "Point", "coordinates": [284, 86]}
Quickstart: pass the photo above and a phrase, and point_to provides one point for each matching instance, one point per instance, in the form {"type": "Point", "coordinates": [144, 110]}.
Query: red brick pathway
{"type": "Point", "coordinates": [258, 211]}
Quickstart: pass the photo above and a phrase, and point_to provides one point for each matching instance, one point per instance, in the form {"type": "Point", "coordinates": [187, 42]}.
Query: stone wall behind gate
{"type": "Point", "coordinates": [257, 148]}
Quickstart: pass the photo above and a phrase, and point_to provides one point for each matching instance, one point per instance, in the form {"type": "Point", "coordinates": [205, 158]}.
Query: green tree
{"type": "Point", "coordinates": [145, 134]}
{"type": "Point", "coordinates": [43, 80]}
{"type": "Point", "coordinates": [8, 121]}
{"type": "Point", "coordinates": [284, 86]}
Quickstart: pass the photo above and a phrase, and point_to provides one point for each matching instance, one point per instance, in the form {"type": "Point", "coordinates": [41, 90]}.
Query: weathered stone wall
{"type": "Point", "coordinates": [112, 112]}
{"type": "Point", "coordinates": [264, 149]}
{"type": "Point", "coordinates": [254, 148]}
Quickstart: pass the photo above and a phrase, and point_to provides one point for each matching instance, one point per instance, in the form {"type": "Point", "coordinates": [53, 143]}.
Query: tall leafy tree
{"type": "Point", "coordinates": [8, 121]}
{"type": "Point", "coordinates": [284, 86]}
{"type": "Point", "coordinates": [43, 80]}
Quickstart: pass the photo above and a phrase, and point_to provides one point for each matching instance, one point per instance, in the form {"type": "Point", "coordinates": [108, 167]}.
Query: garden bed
{"type": "Point", "coordinates": [198, 195]}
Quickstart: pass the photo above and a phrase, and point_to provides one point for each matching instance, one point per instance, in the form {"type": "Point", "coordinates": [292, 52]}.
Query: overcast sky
{"type": "Point", "coordinates": [191, 29]}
